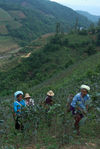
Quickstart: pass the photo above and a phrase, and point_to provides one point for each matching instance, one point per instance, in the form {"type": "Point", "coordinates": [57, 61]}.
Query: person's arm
{"type": "Point", "coordinates": [32, 101]}
{"type": "Point", "coordinates": [87, 107]}
{"type": "Point", "coordinates": [79, 108]}
{"type": "Point", "coordinates": [45, 101]}
{"type": "Point", "coordinates": [75, 104]}
{"type": "Point", "coordinates": [15, 108]}
{"type": "Point", "coordinates": [24, 103]}
{"type": "Point", "coordinates": [88, 102]}
{"type": "Point", "coordinates": [74, 101]}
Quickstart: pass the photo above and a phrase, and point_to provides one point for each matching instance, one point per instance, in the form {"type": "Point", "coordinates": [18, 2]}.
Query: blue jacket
{"type": "Point", "coordinates": [18, 106]}
{"type": "Point", "coordinates": [80, 101]}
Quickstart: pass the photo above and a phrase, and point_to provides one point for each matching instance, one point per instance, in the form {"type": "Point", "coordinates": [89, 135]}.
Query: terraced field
{"type": "Point", "coordinates": [7, 44]}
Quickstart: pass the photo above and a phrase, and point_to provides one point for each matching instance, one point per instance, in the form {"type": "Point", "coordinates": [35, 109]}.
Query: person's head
{"type": "Point", "coordinates": [84, 90]}
{"type": "Point", "coordinates": [27, 97]}
{"type": "Point", "coordinates": [50, 93]}
{"type": "Point", "coordinates": [18, 95]}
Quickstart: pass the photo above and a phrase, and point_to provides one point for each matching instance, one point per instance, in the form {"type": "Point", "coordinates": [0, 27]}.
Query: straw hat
{"type": "Point", "coordinates": [85, 87]}
{"type": "Point", "coordinates": [50, 93]}
{"type": "Point", "coordinates": [27, 95]}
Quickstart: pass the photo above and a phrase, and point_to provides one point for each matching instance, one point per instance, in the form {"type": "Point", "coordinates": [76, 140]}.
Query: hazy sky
{"type": "Point", "coordinates": [92, 6]}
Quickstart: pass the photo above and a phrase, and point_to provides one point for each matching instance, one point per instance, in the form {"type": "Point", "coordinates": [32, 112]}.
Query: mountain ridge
{"type": "Point", "coordinates": [31, 19]}
{"type": "Point", "coordinates": [91, 17]}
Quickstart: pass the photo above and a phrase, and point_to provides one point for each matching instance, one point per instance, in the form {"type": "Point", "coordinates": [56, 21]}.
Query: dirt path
{"type": "Point", "coordinates": [8, 54]}
{"type": "Point", "coordinates": [2, 57]}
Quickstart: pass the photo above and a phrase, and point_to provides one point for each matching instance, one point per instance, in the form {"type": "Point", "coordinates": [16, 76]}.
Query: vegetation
{"type": "Point", "coordinates": [7, 44]}
{"type": "Point", "coordinates": [62, 63]}
{"type": "Point", "coordinates": [61, 132]}
{"type": "Point", "coordinates": [27, 20]}
{"type": "Point", "coordinates": [58, 54]}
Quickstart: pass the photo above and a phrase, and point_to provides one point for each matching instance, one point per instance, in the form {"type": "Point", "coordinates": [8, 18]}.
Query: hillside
{"type": "Point", "coordinates": [91, 17]}
{"type": "Point", "coordinates": [25, 20]}
{"type": "Point", "coordinates": [60, 62]}
{"type": "Point", "coordinates": [44, 57]}
{"type": "Point", "coordinates": [60, 52]}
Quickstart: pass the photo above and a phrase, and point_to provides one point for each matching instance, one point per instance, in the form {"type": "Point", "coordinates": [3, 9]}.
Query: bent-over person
{"type": "Point", "coordinates": [79, 105]}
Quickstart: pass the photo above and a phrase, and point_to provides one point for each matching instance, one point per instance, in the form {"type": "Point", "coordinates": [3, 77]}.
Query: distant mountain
{"type": "Point", "coordinates": [26, 20]}
{"type": "Point", "coordinates": [91, 17]}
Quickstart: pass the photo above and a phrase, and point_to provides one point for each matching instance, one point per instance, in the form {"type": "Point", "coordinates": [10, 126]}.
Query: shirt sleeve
{"type": "Point", "coordinates": [32, 101]}
{"type": "Point", "coordinates": [74, 101]}
{"type": "Point", "coordinates": [88, 101]}
{"type": "Point", "coordinates": [15, 107]}
{"type": "Point", "coordinates": [23, 103]}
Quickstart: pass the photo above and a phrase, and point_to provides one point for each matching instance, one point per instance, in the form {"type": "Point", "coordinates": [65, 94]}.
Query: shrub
{"type": "Point", "coordinates": [83, 32]}
{"type": "Point", "coordinates": [90, 50]}
{"type": "Point", "coordinates": [70, 62]}
{"type": "Point", "coordinates": [98, 39]}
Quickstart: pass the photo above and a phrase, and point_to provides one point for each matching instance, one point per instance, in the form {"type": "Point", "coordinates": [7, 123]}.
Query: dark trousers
{"type": "Point", "coordinates": [18, 124]}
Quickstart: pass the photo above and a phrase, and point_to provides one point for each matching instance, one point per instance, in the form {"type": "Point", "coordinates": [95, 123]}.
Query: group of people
{"type": "Point", "coordinates": [78, 105]}
{"type": "Point", "coordinates": [21, 102]}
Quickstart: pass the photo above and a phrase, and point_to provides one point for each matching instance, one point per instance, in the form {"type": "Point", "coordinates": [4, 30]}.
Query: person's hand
{"type": "Point", "coordinates": [85, 112]}
{"type": "Point", "coordinates": [87, 107]}
{"type": "Point", "coordinates": [46, 106]}
{"type": "Point", "coordinates": [78, 108]}
{"type": "Point", "coordinates": [14, 114]}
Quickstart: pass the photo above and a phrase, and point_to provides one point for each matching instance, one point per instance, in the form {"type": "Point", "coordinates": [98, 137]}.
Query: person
{"type": "Point", "coordinates": [79, 105]}
{"type": "Point", "coordinates": [69, 100]}
{"type": "Point", "coordinates": [28, 100]}
{"type": "Point", "coordinates": [49, 100]}
{"type": "Point", "coordinates": [48, 103]}
{"type": "Point", "coordinates": [18, 107]}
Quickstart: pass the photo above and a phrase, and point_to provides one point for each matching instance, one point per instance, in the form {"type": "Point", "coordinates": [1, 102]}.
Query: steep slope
{"type": "Point", "coordinates": [60, 52]}
{"type": "Point", "coordinates": [59, 134]}
{"type": "Point", "coordinates": [30, 19]}
{"type": "Point", "coordinates": [91, 17]}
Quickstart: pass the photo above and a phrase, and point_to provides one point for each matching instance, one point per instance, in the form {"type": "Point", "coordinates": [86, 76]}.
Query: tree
{"type": "Point", "coordinates": [58, 28]}
{"type": "Point", "coordinates": [98, 39]}
{"type": "Point", "coordinates": [76, 25]}
{"type": "Point", "coordinates": [92, 28]}
{"type": "Point", "coordinates": [99, 23]}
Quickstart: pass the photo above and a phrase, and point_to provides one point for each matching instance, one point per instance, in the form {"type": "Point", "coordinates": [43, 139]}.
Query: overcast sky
{"type": "Point", "coordinates": [92, 6]}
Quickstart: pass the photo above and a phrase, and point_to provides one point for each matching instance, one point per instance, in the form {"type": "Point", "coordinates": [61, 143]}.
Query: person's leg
{"type": "Point", "coordinates": [17, 125]}
{"type": "Point", "coordinates": [22, 127]}
{"type": "Point", "coordinates": [78, 117]}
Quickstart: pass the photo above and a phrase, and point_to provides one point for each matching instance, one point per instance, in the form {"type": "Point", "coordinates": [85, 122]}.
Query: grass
{"type": "Point", "coordinates": [4, 16]}
{"type": "Point", "coordinates": [61, 65]}
{"type": "Point", "coordinates": [64, 78]}
{"type": "Point", "coordinates": [7, 44]}
{"type": "Point", "coordinates": [3, 30]}
{"type": "Point", "coordinates": [7, 19]}
{"type": "Point", "coordinates": [73, 38]}
{"type": "Point", "coordinates": [17, 14]}
{"type": "Point", "coordinates": [8, 61]}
